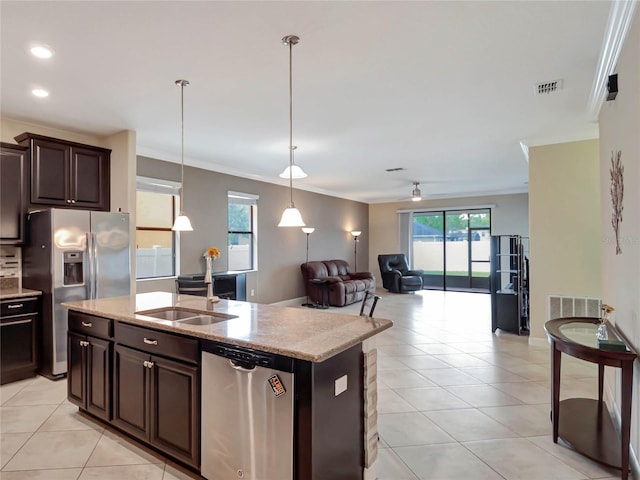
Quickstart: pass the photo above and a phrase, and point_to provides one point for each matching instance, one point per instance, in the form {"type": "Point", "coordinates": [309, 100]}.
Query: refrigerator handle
{"type": "Point", "coordinates": [89, 267]}
{"type": "Point", "coordinates": [96, 273]}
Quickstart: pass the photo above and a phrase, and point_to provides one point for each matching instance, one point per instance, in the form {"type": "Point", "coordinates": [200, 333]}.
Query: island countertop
{"type": "Point", "coordinates": [305, 334]}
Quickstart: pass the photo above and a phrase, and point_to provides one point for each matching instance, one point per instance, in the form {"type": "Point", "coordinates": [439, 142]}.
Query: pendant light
{"type": "Point", "coordinates": [416, 194]}
{"type": "Point", "coordinates": [291, 216]}
{"type": "Point", "coordinates": [182, 223]}
{"type": "Point", "coordinates": [296, 171]}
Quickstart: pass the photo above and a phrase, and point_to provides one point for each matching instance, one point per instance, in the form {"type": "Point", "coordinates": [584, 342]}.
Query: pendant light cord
{"type": "Point", "coordinates": [291, 123]}
{"type": "Point", "coordinates": [182, 147]}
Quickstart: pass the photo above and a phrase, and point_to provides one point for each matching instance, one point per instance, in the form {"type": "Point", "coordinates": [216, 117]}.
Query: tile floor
{"type": "Point", "coordinates": [455, 402]}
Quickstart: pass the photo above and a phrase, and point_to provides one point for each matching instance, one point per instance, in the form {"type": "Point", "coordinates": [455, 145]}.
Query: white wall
{"type": "Point", "coordinates": [619, 130]}
{"type": "Point", "coordinates": [565, 233]}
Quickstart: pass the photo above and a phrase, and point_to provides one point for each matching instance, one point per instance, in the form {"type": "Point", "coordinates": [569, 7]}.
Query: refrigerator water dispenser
{"type": "Point", "coordinates": [73, 268]}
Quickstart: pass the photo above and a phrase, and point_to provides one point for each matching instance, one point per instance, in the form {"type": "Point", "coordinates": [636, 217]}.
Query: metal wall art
{"type": "Point", "coordinates": [617, 193]}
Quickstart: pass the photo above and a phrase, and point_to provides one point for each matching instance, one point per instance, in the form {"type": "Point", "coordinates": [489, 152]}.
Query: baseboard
{"type": "Point", "coordinates": [293, 302]}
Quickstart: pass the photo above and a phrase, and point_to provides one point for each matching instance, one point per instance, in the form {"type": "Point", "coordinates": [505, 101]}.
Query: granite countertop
{"type": "Point", "coordinates": [8, 293]}
{"type": "Point", "coordinates": [301, 333]}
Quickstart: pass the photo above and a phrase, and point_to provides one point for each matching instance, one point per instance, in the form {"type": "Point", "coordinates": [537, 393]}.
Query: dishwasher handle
{"type": "Point", "coordinates": [241, 366]}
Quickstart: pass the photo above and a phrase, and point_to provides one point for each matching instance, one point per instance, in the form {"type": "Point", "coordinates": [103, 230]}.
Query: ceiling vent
{"type": "Point", "coordinates": [548, 87]}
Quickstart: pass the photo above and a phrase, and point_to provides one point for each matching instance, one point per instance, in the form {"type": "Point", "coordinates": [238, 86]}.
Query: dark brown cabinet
{"type": "Point", "coordinates": [89, 364]}
{"type": "Point", "coordinates": [13, 177]}
{"type": "Point", "coordinates": [157, 399]}
{"type": "Point", "coordinates": [19, 327]}
{"type": "Point", "coordinates": [67, 173]}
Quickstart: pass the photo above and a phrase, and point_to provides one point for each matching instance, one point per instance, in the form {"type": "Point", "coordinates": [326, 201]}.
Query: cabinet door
{"type": "Point", "coordinates": [89, 178]}
{"type": "Point", "coordinates": [50, 173]}
{"type": "Point", "coordinates": [17, 348]}
{"type": "Point", "coordinates": [130, 391]}
{"type": "Point", "coordinates": [76, 373]}
{"type": "Point", "coordinates": [98, 380]}
{"type": "Point", "coordinates": [12, 207]}
{"type": "Point", "coordinates": [175, 409]}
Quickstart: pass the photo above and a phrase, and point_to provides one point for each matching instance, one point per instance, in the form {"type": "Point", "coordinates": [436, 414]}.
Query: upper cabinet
{"type": "Point", "coordinates": [66, 173]}
{"type": "Point", "coordinates": [13, 178]}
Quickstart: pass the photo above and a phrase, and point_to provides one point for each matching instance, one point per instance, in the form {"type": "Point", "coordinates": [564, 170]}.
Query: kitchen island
{"type": "Point", "coordinates": [140, 363]}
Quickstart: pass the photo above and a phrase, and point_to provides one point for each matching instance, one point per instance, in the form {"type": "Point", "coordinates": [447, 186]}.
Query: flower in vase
{"type": "Point", "coordinates": [606, 311]}
{"type": "Point", "coordinates": [212, 252]}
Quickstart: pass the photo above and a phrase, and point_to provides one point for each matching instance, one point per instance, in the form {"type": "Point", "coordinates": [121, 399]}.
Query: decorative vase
{"type": "Point", "coordinates": [207, 273]}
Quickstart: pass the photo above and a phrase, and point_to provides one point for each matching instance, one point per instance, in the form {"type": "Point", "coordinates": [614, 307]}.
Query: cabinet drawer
{"type": "Point", "coordinates": [90, 325]}
{"type": "Point", "coordinates": [18, 306]}
{"type": "Point", "coordinates": [159, 343]}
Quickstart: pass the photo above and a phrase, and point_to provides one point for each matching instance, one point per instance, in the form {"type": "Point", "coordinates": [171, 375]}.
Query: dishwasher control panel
{"type": "Point", "coordinates": [248, 356]}
{"type": "Point", "coordinates": [254, 358]}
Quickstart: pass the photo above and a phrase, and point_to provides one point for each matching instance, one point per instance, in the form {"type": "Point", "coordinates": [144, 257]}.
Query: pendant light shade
{"type": "Point", "coordinates": [291, 217]}
{"type": "Point", "coordinates": [182, 222]}
{"type": "Point", "coordinates": [293, 170]}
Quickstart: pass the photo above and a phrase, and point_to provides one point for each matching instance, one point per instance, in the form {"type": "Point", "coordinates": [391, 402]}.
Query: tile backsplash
{"type": "Point", "coordinates": [10, 267]}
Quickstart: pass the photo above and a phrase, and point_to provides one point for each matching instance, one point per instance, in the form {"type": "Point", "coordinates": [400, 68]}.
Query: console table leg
{"type": "Point", "coordinates": [555, 389]}
{"type": "Point", "coordinates": [625, 416]}
{"type": "Point", "coordinates": [600, 384]}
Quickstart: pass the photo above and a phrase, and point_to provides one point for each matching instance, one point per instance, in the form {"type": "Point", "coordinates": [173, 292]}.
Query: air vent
{"type": "Point", "coordinates": [397, 169]}
{"type": "Point", "coordinates": [548, 87]}
{"type": "Point", "coordinates": [559, 306]}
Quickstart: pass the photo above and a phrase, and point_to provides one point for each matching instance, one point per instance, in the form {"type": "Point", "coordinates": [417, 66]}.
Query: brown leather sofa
{"type": "Point", "coordinates": [337, 282]}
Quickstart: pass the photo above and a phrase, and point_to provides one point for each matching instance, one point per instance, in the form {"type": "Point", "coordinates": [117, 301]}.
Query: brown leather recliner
{"type": "Point", "coordinates": [342, 286]}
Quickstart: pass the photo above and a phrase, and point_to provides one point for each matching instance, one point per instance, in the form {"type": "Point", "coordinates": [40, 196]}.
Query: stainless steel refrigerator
{"type": "Point", "coordinates": [73, 255]}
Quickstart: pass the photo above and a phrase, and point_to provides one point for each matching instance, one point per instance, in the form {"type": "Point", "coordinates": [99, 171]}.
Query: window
{"type": "Point", "coordinates": [156, 202]}
{"type": "Point", "coordinates": [242, 242]}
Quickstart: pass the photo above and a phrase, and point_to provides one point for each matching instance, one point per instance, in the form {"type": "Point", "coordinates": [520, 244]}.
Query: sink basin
{"type": "Point", "coordinates": [204, 320]}
{"type": "Point", "coordinates": [172, 315]}
{"type": "Point", "coordinates": [179, 315]}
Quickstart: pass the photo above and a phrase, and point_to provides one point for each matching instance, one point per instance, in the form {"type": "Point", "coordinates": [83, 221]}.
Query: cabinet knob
{"type": "Point", "coordinates": [150, 341]}
{"type": "Point", "coordinates": [68, 201]}
{"type": "Point", "coordinates": [148, 364]}
{"type": "Point", "coordinates": [87, 324]}
{"type": "Point", "coordinates": [84, 343]}
{"type": "Point", "coordinates": [73, 201]}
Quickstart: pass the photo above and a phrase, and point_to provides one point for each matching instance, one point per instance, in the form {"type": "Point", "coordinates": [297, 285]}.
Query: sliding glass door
{"type": "Point", "coordinates": [452, 248]}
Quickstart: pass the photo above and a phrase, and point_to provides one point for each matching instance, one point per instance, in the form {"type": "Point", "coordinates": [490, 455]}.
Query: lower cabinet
{"type": "Point", "coordinates": [89, 373]}
{"type": "Point", "coordinates": [157, 400]}
{"type": "Point", "coordinates": [19, 327]}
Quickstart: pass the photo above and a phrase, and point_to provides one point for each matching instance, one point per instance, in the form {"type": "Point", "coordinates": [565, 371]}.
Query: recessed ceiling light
{"type": "Point", "coordinates": [41, 50]}
{"type": "Point", "coordinates": [40, 93]}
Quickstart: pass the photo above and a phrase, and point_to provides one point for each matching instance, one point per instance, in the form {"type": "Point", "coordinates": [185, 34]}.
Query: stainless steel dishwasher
{"type": "Point", "coordinates": [247, 414]}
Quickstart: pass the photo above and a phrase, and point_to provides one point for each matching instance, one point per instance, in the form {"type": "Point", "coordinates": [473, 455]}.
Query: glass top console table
{"type": "Point", "coordinates": [585, 423]}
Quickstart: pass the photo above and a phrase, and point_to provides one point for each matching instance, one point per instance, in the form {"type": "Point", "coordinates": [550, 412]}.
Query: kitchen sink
{"type": "Point", "coordinates": [179, 315]}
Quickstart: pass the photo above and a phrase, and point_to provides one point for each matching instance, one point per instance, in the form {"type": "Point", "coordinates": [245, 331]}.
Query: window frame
{"type": "Point", "coordinates": [166, 187]}
{"type": "Point", "coordinates": [251, 200]}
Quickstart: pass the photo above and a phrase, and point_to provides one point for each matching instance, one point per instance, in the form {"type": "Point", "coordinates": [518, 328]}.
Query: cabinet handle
{"type": "Point", "coordinates": [84, 343]}
{"type": "Point", "coordinates": [16, 305]}
{"type": "Point", "coordinates": [150, 341]}
{"type": "Point", "coordinates": [148, 364]}
{"type": "Point", "coordinates": [17, 322]}
{"type": "Point", "coordinates": [87, 324]}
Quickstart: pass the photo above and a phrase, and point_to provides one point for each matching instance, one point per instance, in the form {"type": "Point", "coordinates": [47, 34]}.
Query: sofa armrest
{"type": "Point", "coordinates": [413, 273]}
{"type": "Point", "coordinates": [361, 275]}
{"type": "Point", "coordinates": [331, 280]}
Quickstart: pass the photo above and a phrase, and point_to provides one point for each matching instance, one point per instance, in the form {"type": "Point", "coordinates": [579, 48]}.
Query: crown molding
{"type": "Point", "coordinates": [620, 17]}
